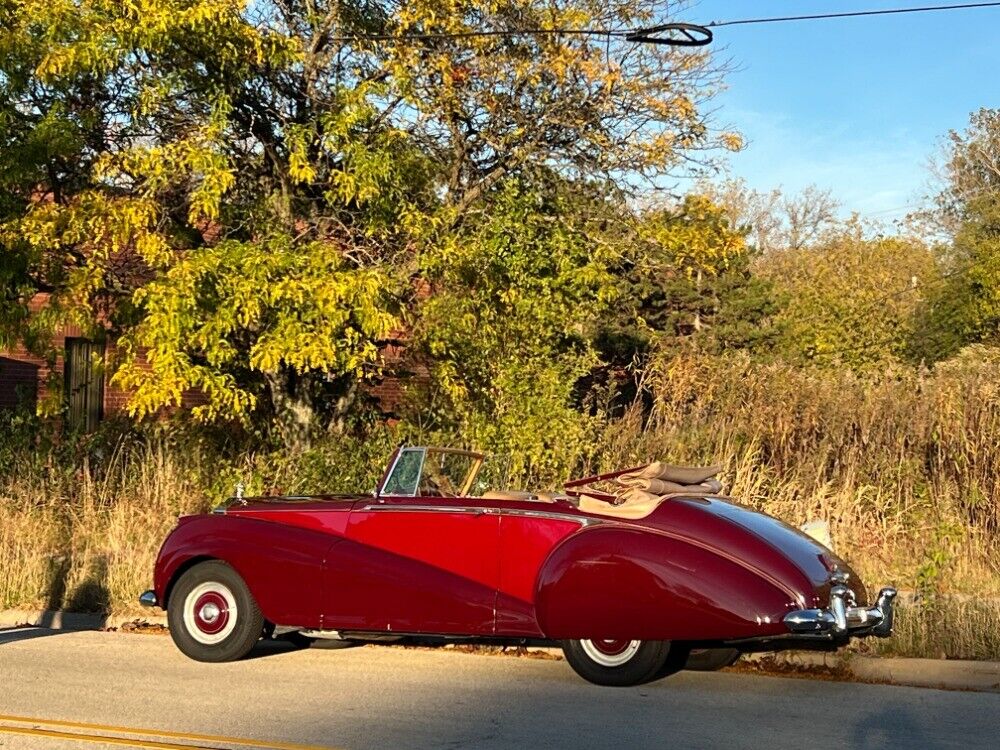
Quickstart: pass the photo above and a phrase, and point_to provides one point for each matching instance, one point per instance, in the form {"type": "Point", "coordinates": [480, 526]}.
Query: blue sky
{"type": "Point", "coordinates": [855, 105]}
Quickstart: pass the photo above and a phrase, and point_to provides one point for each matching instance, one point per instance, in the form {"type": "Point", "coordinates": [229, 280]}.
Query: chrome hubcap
{"type": "Point", "coordinates": [610, 652]}
{"type": "Point", "coordinates": [210, 612]}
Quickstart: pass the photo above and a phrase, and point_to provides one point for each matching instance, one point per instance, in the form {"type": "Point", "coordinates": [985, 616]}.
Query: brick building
{"type": "Point", "coordinates": [25, 378]}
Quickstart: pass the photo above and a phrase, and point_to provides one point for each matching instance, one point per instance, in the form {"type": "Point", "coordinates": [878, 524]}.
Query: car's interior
{"type": "Point", "coordinates": [631, 493]}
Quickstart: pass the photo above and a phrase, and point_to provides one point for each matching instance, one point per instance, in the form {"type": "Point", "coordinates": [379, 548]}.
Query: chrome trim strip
{"type": "Point", "coordinates": [552, 516]}
{"type": "Point", "coordinates": [431, 508]}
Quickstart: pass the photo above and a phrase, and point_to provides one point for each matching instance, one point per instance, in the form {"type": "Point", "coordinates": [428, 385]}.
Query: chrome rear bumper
{"type": "Point", "coordinates": [843, 619]}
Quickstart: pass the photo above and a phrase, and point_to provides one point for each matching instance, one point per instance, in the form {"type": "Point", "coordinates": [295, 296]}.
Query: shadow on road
{"type": "Point", "coordinates": [266, 647]}
{"type": "Point", "coordinates": [90, 596]}
{"type": "Point", "coordinates": [893, 725]}
{"type": "Point", "coordinates": [26, 633]}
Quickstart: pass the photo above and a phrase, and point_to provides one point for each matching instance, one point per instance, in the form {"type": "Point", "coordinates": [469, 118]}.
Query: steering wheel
{"type": "Point", "coordinates": [440, 481]}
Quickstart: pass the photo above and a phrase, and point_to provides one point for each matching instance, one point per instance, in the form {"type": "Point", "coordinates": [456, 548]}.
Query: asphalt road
{"type": "Point", "coordinates": [383, 697]}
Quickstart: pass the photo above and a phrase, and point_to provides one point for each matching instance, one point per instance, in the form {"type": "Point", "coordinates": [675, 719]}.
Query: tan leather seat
{"type": "Point", "coordinates": [508, 495]}
{"type": "Point", "coordinates": [553, 497]}
{"type": "Point", "coordinates": [632, 510]}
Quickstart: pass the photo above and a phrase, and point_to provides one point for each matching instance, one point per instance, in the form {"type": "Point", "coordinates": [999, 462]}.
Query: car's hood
{"type": "Point", "coordinates": [739, 530]}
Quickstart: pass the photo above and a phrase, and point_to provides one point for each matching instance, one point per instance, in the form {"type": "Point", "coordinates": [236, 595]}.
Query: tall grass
{"type": "Point", "coordinates": [81, 523]}
{"type": "Point", "coordinates": [903, 465]}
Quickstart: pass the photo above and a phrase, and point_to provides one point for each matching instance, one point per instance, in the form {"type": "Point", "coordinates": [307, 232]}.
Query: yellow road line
{"type": "Point", "coordinates": [157, 733]}
{"type": "Point", "coordinates": [103, 739]}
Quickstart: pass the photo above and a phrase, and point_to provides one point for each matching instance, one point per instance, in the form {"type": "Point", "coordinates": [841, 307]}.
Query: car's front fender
{"type": "Point", "coordinates": [282, 565]}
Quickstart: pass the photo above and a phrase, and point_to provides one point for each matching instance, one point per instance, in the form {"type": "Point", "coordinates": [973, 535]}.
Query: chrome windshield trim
{"type": "Point", "coordinates": [420, 471]}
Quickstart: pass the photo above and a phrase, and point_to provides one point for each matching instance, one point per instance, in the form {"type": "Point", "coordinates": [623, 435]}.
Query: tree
{"type": "Point", "coordinates": [776, 220]}
{"type": "Point", "coordinates": [167, 159]}
{"type": "Point", "coordinates": [852, 300]}
{"type": "Point", "coordinates": [965, 307]}
{"type": "Point", "coordinates": [688, 282]}
{"type": "Point", "coordinates": [507, 329]}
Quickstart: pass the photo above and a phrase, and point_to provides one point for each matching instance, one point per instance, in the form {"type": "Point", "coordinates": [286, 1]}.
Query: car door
{"type": "Point", "coordinates": [528, 534]}
{"type": "Point", "coordinates": [417, 565]}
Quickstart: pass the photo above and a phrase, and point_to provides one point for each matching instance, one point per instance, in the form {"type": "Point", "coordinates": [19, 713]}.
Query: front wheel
{"type": "Point", "coordinates": [616, 663]}
{"type": "Point", "coordinates": [212, 615]}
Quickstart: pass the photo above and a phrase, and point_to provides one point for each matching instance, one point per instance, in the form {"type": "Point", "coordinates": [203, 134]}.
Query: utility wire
{"type": "Point", "coordinates": [676, 34]}
{"type": "Point", "coordinates": [852, 14]}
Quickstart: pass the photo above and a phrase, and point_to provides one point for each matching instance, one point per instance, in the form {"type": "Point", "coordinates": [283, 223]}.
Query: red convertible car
{"type": "Point", "coordinates": [633, 574]}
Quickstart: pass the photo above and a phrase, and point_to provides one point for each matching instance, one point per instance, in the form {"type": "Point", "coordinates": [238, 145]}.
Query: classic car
{"type": "Point", "coordinates": [634, 574]}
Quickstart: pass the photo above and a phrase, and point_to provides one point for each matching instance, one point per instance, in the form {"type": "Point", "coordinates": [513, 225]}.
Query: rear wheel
{"type": "Point", "coordinates": [212, 614]}
{"type": "Point", "coordinates": [711, 659]}
{"type": "Point", "coordinates": [616, 662]}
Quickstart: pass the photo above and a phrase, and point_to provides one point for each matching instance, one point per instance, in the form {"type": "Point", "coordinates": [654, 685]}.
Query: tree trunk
{"type": "Point", "coordinates": [294, 410]}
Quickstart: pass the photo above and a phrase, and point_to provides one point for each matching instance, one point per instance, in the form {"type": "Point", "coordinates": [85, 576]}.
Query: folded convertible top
{"type": "Point", "coordinates": [644, 483]}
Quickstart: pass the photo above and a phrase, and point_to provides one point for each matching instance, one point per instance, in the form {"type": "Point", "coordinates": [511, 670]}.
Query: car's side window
{"type": "Point", "coordinates": [405, 474]}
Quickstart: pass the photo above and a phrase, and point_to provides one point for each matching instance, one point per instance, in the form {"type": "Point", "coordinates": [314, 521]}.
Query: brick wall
{"type": "Point", "coordinates": [26, 376]}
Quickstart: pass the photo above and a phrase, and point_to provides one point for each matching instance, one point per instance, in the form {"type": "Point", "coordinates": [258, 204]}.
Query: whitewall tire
{"type": "Point", "coordinates": [212, 614]}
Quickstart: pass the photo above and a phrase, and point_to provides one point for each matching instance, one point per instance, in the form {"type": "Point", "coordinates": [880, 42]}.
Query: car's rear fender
{"type": "Point", "coordinates": [620, 581]}
{"type": "Point", "coordinates": [282, 565]}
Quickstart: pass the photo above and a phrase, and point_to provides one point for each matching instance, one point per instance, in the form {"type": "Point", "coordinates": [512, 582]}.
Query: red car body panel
{"type": "Point", "coordinates": [282, 565]}
{"type": "Point", "coordinates": [695, 569]}
{"type": "Point", "coordinates": [526, 541]}
{"type": "Point", "coordinates": [410, 569]}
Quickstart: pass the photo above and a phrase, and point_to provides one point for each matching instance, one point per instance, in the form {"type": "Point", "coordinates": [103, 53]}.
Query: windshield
{"type": "Point", "coordinates": [432, 472]}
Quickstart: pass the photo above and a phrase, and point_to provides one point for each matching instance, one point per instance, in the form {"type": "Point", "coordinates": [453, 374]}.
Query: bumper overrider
{"type": "Point", "coordinates": [842, 619]}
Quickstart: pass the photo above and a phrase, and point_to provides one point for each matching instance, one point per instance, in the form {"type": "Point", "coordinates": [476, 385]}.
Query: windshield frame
{"type": "Point", "coordinates": [467, 483]}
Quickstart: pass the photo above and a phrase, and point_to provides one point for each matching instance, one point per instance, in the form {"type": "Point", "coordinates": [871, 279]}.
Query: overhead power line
{"type": "Point", "coordinates": [853, 14]}
{"type": "Point", "coordinates": [672, 34]}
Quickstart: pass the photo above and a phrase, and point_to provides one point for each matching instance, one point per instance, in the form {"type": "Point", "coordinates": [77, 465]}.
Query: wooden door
{"type": "Point", "coordinates": [84, 379]}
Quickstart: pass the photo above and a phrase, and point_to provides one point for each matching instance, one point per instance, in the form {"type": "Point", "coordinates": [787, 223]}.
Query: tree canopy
{"type": "Point", "coordinates": [242, 191]}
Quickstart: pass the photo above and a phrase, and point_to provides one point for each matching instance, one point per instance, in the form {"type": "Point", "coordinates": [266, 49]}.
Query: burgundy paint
{"type": "Point", "coordinates": [525, 542]}
{"type": "Point", "coordinates": [619, 581]}
{"type": "Point", "coordinates": [282, 565]}
{"type": "Point", "coordinates": [417, 571]}
{"type": "Point", "coordinates": [695, 569]}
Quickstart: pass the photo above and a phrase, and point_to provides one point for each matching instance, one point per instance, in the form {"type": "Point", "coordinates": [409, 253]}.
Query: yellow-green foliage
{"type": "Point", "coordinates": [296, 306]}
{"type": "Point", "coordinates": [851, 301]}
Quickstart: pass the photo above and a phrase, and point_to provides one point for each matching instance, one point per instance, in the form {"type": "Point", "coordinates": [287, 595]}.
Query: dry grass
{"type": "Point", "coordinates": [87, 540]}
{"type": "Point", "coordinates": [904, 467]}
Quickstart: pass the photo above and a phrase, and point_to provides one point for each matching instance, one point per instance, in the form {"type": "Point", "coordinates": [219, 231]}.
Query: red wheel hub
{"type": "Point", "coordinates": [611, 647]}
{"type": "Point", "coordinates": [211, 612]}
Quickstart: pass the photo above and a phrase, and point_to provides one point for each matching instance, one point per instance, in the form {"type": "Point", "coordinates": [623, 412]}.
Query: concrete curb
{"type": "Point", "coordinates": [983, 676]}
{"type": "Point", "coordinates": [950, 674]}
{"type": "Point", "coordinates": [59, 620]}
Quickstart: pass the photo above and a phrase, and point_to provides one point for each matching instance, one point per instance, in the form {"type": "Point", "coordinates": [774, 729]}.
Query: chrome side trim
{"type": "Point", "coordinates": [552, 516]}
{"type": "Point", "coordinates": [431, 509]}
